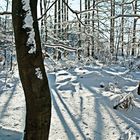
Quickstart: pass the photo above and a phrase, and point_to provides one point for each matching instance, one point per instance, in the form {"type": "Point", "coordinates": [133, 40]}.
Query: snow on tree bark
{"type": "Point", "coordinates": [31, 69]}
{"type": "Point", "coordinates": [28, 25]}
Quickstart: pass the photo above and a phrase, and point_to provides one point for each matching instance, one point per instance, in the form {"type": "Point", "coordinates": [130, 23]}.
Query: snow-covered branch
{"type": "Point", "coordinates": [28, 24]}
{"type": "Point", "coordinates": [61, 46]}
{"type": "Point", "coordinates": [130, 15]}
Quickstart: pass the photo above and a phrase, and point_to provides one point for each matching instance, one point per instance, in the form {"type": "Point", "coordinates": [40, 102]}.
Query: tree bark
{"type": "Point", "coordinates": [134, 29]}
{"type": "Point", "coordinates": [86, 9]}
{"type": "Point", "coordinates": [36, 89]}
{"type": "Point", "coordinates": [112, 26]}
{"type": "Point", "coordinates": [93, 29]}
{"type": "Point", "coordinates": [122, 29]}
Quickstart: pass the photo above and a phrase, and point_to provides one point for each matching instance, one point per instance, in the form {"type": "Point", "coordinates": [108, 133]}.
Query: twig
{"type": "Point", "coordinates": [76, 13]}
{"type": "Point", "coordinates": [47, 10]}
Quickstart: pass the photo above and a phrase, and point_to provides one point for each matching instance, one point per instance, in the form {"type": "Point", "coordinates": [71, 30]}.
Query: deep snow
{"type": "Point", "coordinates": [83, 99]}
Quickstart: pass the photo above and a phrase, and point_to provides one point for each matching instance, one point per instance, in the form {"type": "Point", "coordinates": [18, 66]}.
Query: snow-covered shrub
{"type": "Point", "coordinates": [108, 87]}
{"type": "Point", "coordinates": [124, 102]}
{"type": "Point", "coordinates": [131, 63]}
{"type": "Point", "coordinates": [136, 65]}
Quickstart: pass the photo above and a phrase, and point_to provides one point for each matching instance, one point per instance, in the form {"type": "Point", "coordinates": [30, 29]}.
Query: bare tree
{"type": "Point", "coordinates": [122, 29]}
{"type": "Point", "coordinates": [86, 7]}
{"type": "Point", "coordinates": [93, 28]}
{"type": "Point", "coordinates": [7, 6]}
{"type": "Point", "coordinates": [134, 28]}
{"type": "Point", "coordinates": [45, 19]}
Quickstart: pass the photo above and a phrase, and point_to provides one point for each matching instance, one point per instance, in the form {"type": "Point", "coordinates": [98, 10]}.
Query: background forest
{"type": "Point", "coordinates": [104, 30]}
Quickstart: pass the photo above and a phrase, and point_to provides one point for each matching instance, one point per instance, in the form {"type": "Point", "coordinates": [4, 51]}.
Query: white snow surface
{"type": "Point", "coordinates": [81, 108]}
{"type": "Point", "coordinates": [28, 24]}
{"type": "Point", "coordinates": [38, 73]}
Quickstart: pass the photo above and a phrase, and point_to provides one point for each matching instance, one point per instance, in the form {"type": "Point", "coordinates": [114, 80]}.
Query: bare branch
{"type": "Point", "coordinates": [61, 46]}
{"type": "Point", "coordinates": [132, 15]}
{"type": "Point", "coordinates": [47, 10]}
{"type": "Point", "coordinates": [76, 13]}
{"type": "Point", "coordinates": [5, 13]}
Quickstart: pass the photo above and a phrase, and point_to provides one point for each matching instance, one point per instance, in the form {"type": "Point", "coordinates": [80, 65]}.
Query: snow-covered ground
{"type": "Point", "coordinates": [83, 99]}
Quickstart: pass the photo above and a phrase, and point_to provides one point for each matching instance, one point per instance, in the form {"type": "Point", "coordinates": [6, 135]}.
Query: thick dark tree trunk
{"type": "Point", "coordinates": [32, 73]}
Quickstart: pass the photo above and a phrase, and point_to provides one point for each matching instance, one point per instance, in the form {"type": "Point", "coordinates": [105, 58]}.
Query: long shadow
{"type": "Point", "coordinates": [97, 133]}
{"type": "Point", "coordinates": [131, 125]}
{"type": "Point", "coordinates": [121, 116]}
{"type": "Point", "coordinates": [54, 91]}
{"type": "Point", "coordinates": [127, 120]}
{"type": "Point", "coordinates": [112, 118]}
{"type": "Point", "coordinates": [124, 81]}
{"type": "Point", "coordinates": [98, 103]}
{"type": "Point", "coordinates": [6, 134]}
{"type": "Point", "coordinates": [81, 106]}
{"type": "Point", "coordinates": [72, 117]}
{"type": "Point", "coordinates": [99, 124]}
{"type": "Point", "coordinates": [8, 100]}
{"type": "Point", "coordinates": [63, 121]}
{"type": "Point", "coordinates": [52, 83]}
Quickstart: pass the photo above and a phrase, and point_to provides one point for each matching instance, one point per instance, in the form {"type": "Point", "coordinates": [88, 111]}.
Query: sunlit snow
{"type": "Point", "coordinates": [28, 25]}
{"type": "Point", "coordinates": [38, 73]}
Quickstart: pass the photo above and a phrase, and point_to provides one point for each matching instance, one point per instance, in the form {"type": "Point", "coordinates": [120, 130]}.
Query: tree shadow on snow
{"type": "Point", "coordinates": [55, 96]}
{"type": "Point", "coordinates": [6, 134]}
{"type": "Point", "coordinates": [10, 95]}
{"type": "Point", "coordinates": [92, 84]}
{"type": "Point", "coordinates": [100, 101]}
{"type": "Point", "coordinates": [105, 102]}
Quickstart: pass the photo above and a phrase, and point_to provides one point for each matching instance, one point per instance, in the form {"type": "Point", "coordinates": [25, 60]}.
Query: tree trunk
{"type": "Point", "coordinates": [31, 71]}
{"type": "Point", "coordinates": [59, 18]}
{"type": "Point", "coordinates": [134, 29]}
{"type": "Point", "coordinates": [55, 27]}
{"type": "Point", "coordinates": [79, 45]}
{"type": "Point", "coordinates": [93, 28]}
{"type": "Point", "coordinates": [86, 13]}
{"type": "Point", "coordinates": [7, 6]}
{"type": "Point", "coordinates": [88, 6]}
{"type": "Point", "coordinates": [55, 18]}
{"type": "Point", "coordinates": [112, 26]}
{"type": "Point", "coordinates": [45, 20]}
{"type": "Point", "coordinates": [59, 26]}
{"type": "Point", "coordinates": [122, 29]}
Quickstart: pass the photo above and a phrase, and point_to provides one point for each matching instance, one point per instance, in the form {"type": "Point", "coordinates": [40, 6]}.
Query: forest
{"type": "Point", "coordinates": [69, 70]}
